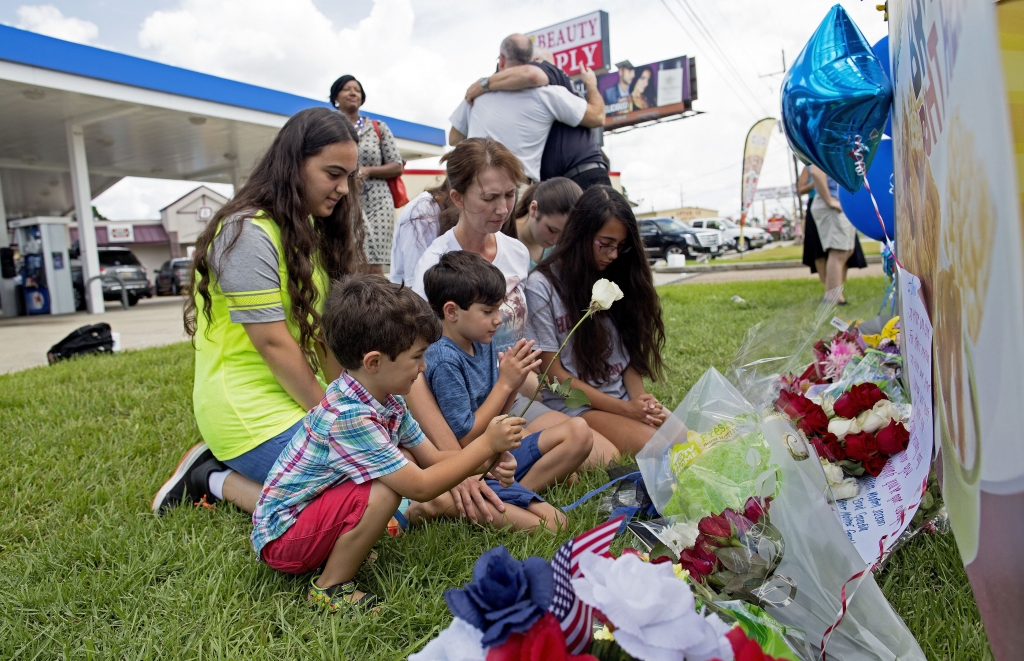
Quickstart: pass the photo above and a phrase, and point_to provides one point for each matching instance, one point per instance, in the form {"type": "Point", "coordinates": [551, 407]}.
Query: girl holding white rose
{"type": "Point", "coordinates": [612, 351]}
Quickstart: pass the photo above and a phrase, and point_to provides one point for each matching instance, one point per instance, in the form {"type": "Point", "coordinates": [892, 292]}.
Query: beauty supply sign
{"type": "Point", "coordinates": [582, 40]}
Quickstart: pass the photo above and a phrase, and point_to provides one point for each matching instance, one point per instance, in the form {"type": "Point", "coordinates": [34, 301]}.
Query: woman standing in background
{"type": "Point", "coordinates": [379, 160]}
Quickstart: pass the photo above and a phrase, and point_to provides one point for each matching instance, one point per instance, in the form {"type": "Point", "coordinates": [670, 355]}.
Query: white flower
{"type": "Point", "coordinates": [885, 409]}
{"type": "Point", "coordinates": [605, 293]}
{"type": "Point", "coordinates": [870, 421]}
{"type": "Point", "coordinates": [715, 645]}
{"type": "Point", "coordinates": [680, 536]}
{"type": "Point", "coordinates": [653, 612]}
{"type": "Point", "coordinates": [847, 489]}
{"type": "Point", "coordinates": [842, 426]}
{"type": "Point", "coordinates": [826, 404]}
{"type": "Point", "coordinates": [833, 473]}
{"type": "Point", "coordinates": [459, 642]}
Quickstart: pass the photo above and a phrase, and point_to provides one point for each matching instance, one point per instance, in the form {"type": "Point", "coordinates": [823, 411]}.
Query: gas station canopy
{"type": "Point", "coordinates": [140, 118]}
{"type": "Point", "coordinates": [75, 119]}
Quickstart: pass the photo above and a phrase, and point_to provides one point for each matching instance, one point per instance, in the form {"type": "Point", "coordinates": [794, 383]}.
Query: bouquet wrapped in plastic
{"type": "Point", "coordinates": [794, 560]}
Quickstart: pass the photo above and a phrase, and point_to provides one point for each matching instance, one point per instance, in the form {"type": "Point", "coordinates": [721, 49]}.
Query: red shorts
{"type": "Point", "coordinates": [306, 545]}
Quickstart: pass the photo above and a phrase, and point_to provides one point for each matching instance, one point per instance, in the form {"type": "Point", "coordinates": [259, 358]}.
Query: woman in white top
{"type": "Point", "coordinates": [428, 215]}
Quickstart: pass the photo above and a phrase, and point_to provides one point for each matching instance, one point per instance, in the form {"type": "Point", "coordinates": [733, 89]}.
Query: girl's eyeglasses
{"type": "Point", "coordinates": [609, 248]}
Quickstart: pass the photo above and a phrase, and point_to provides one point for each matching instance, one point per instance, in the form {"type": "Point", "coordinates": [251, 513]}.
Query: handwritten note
{"type": "Point", "coordinates": [883, 509]}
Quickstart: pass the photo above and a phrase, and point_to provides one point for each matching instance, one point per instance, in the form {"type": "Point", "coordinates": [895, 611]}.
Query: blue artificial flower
{"type": "Point", "coordinates": [505, 596]}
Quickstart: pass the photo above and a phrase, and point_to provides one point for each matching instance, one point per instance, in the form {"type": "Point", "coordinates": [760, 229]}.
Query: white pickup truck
{"type": "Point", "coordinates": [753, 237]}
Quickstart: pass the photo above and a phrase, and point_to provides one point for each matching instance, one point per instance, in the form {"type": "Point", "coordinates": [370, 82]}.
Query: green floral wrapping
{"type": "Point", "coordinates": [775, 639]}
{"type": "Point", "coordinates": [716, 470]}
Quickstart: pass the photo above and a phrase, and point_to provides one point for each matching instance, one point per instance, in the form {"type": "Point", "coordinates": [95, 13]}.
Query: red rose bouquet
{"type": "Point", "coordinates": [859, 434]}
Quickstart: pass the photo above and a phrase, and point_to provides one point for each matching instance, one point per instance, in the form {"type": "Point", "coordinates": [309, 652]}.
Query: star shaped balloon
{"type": "Point", "coordinates": [835, 96]}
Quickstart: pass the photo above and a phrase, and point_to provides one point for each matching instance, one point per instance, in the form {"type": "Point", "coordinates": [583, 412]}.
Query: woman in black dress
{"type": "Point", "coordinates": [814, 256]}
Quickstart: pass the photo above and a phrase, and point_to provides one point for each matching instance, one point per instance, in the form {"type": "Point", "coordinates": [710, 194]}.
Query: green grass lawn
{"type": "Point", "coordinates": [87, 572]}
{"type": "Point", "coordinates": [792, 252]}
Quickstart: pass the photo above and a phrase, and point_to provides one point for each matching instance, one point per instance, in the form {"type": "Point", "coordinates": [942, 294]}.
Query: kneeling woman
{"type": "Point", "coordinates": [261, 275]}
{"type": "Point", "coordinates": [612, 351]}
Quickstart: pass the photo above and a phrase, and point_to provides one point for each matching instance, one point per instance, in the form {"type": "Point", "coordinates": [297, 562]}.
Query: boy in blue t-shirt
{"type": "Point", "coordinates": [473, 383]}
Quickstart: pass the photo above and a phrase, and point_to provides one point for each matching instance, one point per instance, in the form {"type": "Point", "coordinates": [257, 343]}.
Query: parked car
{"type": "Point", "coordinates": [172, 277]}
{"type": "Point", "coordinates": [753, 237]}
{"type": "Point", "coordinates": [120, 262]}
{"type": "Point", "coordinates": [667, 236]}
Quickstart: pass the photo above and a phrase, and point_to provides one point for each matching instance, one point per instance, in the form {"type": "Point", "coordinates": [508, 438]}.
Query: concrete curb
{"type": "Point", "coordinates": [748, 266]}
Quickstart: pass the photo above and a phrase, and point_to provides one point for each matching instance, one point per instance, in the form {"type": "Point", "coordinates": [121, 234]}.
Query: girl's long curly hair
{"type": "Point", "coordinates": [572, 271]}
{"type": "Point", "coordinates": [276, 187]}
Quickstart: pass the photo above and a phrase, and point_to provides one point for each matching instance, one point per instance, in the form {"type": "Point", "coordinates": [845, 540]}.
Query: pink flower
{"type": "Point", "coordinates": [840, 354]}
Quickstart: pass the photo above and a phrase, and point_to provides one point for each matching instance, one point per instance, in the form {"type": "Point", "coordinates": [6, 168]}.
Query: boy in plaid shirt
{"type": "Point", "coordinates": [336, 485]}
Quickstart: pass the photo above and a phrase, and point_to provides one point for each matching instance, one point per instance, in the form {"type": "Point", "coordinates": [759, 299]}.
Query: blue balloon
{"type": "Point", "coordinates": [857, 206]}
{"type": "Point", "coordinates": [836, 91]}
{"type": "Point", "coordinates": [881, 51]}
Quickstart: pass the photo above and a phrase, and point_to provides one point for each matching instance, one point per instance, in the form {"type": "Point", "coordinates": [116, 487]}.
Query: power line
{"type": "Point", "coordinates": [724, 78]}
{"type": "Point", "coordinates": [739, 42]}
{"type": "Point", "coordinates": [714, 45]}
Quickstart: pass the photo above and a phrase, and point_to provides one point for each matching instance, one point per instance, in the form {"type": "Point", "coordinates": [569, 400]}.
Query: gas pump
{"type": "Point", "coordinates": [46, 270]}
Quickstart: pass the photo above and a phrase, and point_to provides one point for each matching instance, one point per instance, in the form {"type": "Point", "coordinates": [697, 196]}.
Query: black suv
{"type": "Point", "coordinates": [172, 277]}
{"type": "Point", "coordinates": [120, 262]}
{"type": "Point", "coordinates": [667, 236]}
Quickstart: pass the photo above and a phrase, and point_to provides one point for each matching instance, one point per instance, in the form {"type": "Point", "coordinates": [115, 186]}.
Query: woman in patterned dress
{"type": "Point", "coordinates": [379, 161]}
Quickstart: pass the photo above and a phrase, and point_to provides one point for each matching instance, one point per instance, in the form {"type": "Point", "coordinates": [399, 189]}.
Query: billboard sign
{"type": "Point", "coordinates": [647, 92]}
{"type": "Point", "coordinates": [582, 40]}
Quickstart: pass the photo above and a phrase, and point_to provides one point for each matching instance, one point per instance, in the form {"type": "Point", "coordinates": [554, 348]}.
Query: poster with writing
{"type": "Point", "coordinates": [958, 139]}
{"type": "Point", "coordinates": [876, 517]}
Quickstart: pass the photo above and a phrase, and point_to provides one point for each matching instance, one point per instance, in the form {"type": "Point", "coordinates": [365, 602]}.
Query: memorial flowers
{"type": "Point", "coordinates": [505, 596]}
{"type": "Point", "coordinates": [508, 611]}
{"type": "Point", "coordinates": [858, 432]}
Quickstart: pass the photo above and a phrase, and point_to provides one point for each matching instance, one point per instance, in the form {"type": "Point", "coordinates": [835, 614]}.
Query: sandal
{"type": "Point", "coordinates": [337, 597]}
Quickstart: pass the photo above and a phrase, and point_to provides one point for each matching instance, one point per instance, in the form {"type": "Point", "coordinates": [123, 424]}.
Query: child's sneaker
{"type": "Point", "coordinates": [334, 598]}
{"type": "Point", "coordinates": [190, 481]}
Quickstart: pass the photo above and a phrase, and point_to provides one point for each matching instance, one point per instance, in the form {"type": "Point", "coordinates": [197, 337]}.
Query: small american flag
{"type": "Point", "coordinates": [575, 617]}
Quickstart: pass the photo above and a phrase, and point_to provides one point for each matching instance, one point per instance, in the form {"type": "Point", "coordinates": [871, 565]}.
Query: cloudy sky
{"type": "Point", "coordinates": [416, 58]}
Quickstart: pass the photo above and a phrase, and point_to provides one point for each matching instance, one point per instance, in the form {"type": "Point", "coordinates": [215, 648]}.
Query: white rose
{"type": "Point", "coordinates": [886, 410]}
{"type": "Point", "coordinates": [654, 613]}
{"type": "Point", "coordinates": [847, 489]}
{"type": "Point", "coordinates": [842, 426]}
{"type": "Point", "coordinates": [870, 421]}
{"type": "Point", "coordinates": [833, 473]}
{"type": "Point", "coordinates": [605, 293]}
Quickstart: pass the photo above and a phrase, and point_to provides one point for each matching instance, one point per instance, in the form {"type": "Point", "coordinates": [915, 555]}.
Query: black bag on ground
{"type": "Point", "coordinates": [95, 338]}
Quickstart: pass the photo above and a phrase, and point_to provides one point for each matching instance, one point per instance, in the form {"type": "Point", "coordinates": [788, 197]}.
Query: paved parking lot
{"type": "Point", "coordinates": [24, 341]}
